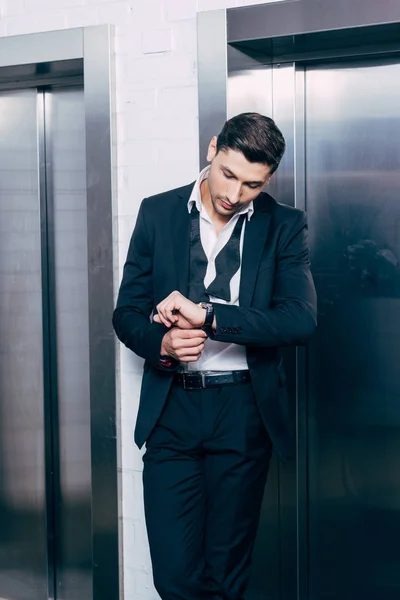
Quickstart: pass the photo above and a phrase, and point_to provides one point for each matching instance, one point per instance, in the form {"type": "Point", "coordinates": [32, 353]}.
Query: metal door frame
{"type": "Point", "coordinates": [266, 38]}
{"type": "Point", "coordinates": [36, 54]}
{"type": "Point", "coordinates": [266, 33]}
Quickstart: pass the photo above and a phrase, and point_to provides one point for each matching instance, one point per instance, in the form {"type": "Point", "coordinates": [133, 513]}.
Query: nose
{"type": "Point", "coordinates": [235, 193]}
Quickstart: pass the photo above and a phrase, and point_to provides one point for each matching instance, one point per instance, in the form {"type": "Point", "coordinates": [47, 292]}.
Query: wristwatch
{"type": "Point", "coordinates": [209, 308]}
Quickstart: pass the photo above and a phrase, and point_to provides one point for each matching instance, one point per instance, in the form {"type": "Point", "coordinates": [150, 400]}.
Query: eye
{"type": "Point", "coordinates": [253, 186]}
{"type": "Point", "coordinates": [228, 176]}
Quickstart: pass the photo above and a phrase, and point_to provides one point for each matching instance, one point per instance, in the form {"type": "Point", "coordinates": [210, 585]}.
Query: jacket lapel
{"type": "Point", "coordinates": [255, 236]}
{"type": "Point", "coordinates": [181, 240]}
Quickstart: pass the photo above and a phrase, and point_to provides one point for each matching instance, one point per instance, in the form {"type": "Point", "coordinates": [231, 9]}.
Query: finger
{"type": "Point", "coordinates": [170, 312]}
{"type": "Point", "coordinates": [174, 297]}
{"type": "Point", "coordinates": [162, 310]}
{"type": "Point", "coordinates": [162, 314]}
{"type": "Point", "coordinates": [192, 333]}
{"type": "Point", "coordinates": [190, 343]}
{"type": "Point", "coordinates": [163, 320]}
{"type": "Point", "coordinates": [181, 340]}
{"type": "Point", "coordinates": [190, 359]}
{"type": "Point", "coordinates": [190, 351]}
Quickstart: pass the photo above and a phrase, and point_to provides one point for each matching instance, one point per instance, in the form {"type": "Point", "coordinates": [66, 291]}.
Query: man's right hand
{"type": "Point", "coordinates": [185, 345]}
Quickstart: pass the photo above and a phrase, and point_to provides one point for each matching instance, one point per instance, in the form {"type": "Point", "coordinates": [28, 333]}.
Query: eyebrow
{"type": "Point", "coordinates": [233, 175]}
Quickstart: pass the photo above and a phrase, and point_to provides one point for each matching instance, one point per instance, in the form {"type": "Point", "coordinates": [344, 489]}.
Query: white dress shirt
{"type": "Point", "coordinates": [218, 356]}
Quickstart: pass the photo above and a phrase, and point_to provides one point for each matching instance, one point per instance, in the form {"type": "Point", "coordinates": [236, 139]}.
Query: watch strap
{"type": "Point", "coordinates": [209, 318]}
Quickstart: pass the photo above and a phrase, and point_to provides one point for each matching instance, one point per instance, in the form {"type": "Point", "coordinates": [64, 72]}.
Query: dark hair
{"type": "Point", "coordinates": [257, 137]}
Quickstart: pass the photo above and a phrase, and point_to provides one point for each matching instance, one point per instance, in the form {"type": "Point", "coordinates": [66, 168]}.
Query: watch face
{"type": "Point", "coordinates": [205, 304]}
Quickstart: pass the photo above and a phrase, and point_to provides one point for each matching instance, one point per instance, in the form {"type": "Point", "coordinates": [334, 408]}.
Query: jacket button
{"type": "Point", "coordinates": [239, 330]}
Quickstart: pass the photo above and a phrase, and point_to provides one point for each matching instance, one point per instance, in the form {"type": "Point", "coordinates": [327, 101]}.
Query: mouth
{"type": "Point", "coordinates": [226, 205]}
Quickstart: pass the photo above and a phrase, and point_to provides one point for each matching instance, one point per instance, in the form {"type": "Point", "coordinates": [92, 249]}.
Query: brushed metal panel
{"type": "Point", "coordinates": [66, 177]}
{"type": "Point", "coordinates": [352, 192]}
{"type": "Point", "coordinates": [23, 540]}
{"type": "Point", "coordinates": [273, 20]}
{"type": "Point", "coordinates": [250, 90]}
{"type": "Point", "coordinates": [212, 77]}
{"type": "Point", "coordinates": [94, 46]}
{"type": "Point", "coordinates": [99, 87]}
{"type": "Point", "coordinates": [282, 188]}
{"type": "Point", "coordinates": [66, 44]}
{"type": "Point", "coordinates": [283, 81]}
{"type": "Point", "coordinates": [271, 91]}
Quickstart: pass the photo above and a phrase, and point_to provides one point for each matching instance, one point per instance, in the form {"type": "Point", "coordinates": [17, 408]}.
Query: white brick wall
{"type": "Point", "coordinates": [157, 149]}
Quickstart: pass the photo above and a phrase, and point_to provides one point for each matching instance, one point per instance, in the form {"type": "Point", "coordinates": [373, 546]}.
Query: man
{"type": "Point", "coordinates": [223, 268]}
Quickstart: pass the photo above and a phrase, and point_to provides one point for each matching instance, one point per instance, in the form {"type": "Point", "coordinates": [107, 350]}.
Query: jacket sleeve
{"type": "Point", "coordinates": [292, 317]}
{"type": "Point", "coordinates": [131, 318]}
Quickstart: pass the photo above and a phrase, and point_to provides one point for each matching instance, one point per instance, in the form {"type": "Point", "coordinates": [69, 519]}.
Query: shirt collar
{"type": "Point", "coordinates": [195, 197]}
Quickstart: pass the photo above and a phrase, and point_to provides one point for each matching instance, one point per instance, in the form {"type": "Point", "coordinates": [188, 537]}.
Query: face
{"type": "Point", "coordinates": [233, 181]}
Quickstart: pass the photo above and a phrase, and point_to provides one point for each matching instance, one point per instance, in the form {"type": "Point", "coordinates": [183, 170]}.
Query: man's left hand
{"type": "Point", "coordinates": [178, 311]}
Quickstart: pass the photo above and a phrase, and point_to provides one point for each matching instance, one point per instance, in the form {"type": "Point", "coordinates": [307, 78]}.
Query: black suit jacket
{"type": "Point", "coordinates": [277, 301]}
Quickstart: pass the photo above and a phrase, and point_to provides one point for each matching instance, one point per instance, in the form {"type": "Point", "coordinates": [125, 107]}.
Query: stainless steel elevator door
{"type": "Point", "coordinates": [45, 462]}
{"type": "Point", "coordinates": [66, 174]}
{"type": "Point", "coordinates": [23, 539]}
{"type": "Point", "coordinates": [352, 200]}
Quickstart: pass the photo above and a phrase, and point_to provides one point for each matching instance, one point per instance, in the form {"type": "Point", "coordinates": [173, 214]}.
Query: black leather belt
{"type": "Point", "coordinates": [197, 380]}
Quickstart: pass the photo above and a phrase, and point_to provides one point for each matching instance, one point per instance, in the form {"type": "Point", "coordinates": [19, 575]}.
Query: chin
{"type": "Point", "coordinates": [227, 211]}
{"type": "Point", "coordinates": [223, 212]}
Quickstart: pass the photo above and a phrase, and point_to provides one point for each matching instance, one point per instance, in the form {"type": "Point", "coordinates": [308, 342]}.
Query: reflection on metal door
{"type": "Point", "coordinates": [331, 518]}
{"type": "Point", "coordinates": [23, 538]}
{"type": "Point", "coordinates": [65, 157]}
{"type": "Point", "coordinates": [352, 199]}
{"type": "Point", "coordinates": [45, 544]}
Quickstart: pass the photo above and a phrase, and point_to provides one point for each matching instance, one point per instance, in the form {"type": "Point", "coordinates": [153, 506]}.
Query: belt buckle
{"type": "Point", "coordinates": [188, 387]}
{"type": "Point", "coordinates": [185, 385]}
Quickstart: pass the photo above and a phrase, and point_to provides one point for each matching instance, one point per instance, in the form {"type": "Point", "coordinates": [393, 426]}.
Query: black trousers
{"type": "Point", "coordinates": [204, 475]}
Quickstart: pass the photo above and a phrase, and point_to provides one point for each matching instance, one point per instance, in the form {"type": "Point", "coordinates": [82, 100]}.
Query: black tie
{"type": "Point", "coordinates": [198, 261]}
{"type": "Point", "coordinates": [227, 263]}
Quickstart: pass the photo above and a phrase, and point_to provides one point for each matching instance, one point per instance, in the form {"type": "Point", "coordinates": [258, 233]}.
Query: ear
{"type": "Point", "coordinates": [212, 149]}
{"type": "Point", "coordinates": [268, 180]}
